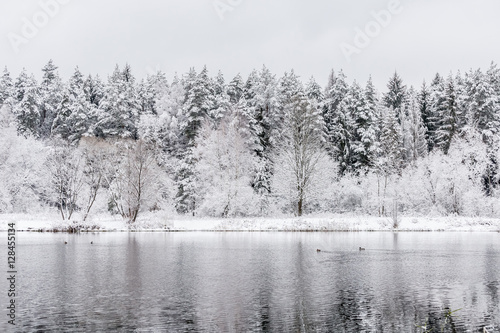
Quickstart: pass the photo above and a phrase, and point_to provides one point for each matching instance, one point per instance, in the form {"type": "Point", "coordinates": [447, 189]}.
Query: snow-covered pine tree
{"type": "Point", "coordinates": [437, 103]}
{"type": "Point", "coordinates": [396, 95]}
{"type": "Point", "coordinates": [266, 113]}
{"type": "Point", "coordinates": [262, 105]}
{"type": "Point", "coordinates": [493, 78]}
{"type": "Point", "coordinates": [7, 91]}
{"type": "Point", "coordinates": [371, 96]}
{"type": "Point", "coordinates": [185, 178]}
{"type": "Point", "coordinates": [415, 131]}
{"type": "Point", "coordinates": [288, 87]}
{"type": "Point", "coordinates": [483, 105]}
{"type": "Point", "coordinates": [364, 134]}
{"type": "Point", "coordinates": [51, 89]}
{"type": "Point", "coordinates": [491, 175]}
{"type": "Point", "coordinates": [493, 75]}
{"type": "Point", "coordinates": [118, 112]}
{"type": "Point", "coordinates": [340, 102]}
{"type": "Point", "coordinates": [199, 105]}
{"type": "Point", "coordinates": [239, 111]}
{"type": "Point", "coordinates": [20, 85]}
{"type": "Point", "coordinates": [461, 101]}
{"type": "Point", "coordinates": [235, 89]}
{"type": "Point", "coordinates": [314, 91]}
{"type": "Point", "coordinates": [94, 89]}
{"type": "Point", "coordinates": [424, 103]}
{"type": "Point", "coordinates": [199, 102]}
{"type": "Point", "coordinates": [150, 90]}
{"type": "Point", "coordinates": [165, 130]}
{"type": "Point", "coordinates": [61, 128]}
{"type": "Point", "coordinates": [73, 119]}
{"type": "Point", "coordinates": [222, 104]}
{"type": "Point", "coordinates": [28, 109]}
{"type": "Point", "coordinates": [390, 160]}
{"type": "Point", "coordinates": [447, 113]}
{"type": "Point", "coordinates": [265, 106]}
{"type": "Point", "coordinates": [374, 110]}
{"type": "Point", "coordinates": [336, 121]}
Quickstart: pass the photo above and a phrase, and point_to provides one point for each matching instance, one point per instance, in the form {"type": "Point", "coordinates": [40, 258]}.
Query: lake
{"type": "Point", "coordinates": [252, 282]}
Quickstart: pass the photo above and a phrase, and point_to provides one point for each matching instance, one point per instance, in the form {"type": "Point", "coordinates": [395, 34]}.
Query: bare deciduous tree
{"type": "Point", "coordinates": [301, 150]}
{"type": "Point", "coordinates": [64, 164]}
{"type": "Point", "coordinates": [131, 183]}
{"type": "Point", "coordinates": [94, 153]}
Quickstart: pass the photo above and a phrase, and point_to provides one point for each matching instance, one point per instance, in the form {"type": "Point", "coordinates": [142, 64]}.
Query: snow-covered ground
{"type": "Point", "coordinates": [157, 222]}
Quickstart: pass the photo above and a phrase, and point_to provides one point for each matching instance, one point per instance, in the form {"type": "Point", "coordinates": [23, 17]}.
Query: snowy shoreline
{"type": "Point", "coordinates": [336, 223]}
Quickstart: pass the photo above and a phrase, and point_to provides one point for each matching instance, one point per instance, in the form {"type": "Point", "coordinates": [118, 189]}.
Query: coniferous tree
{"type": "Point", "coordinates": [289, 86]}
{"type": "Point", "coordinates": [437, 99]}
{"type": "Point", "coordinates": [21, 84]}
{"type": "Point", "coordinates": [165, 130]}
{"type": "Point", "coordinates": [483, 103]}
{"type": "Point", "coordinates": [261, 96]}
{"type": "Point", "coordinates": [389, 160]}
{"type": "Point", "coordinates": [150, 90]}
{"type": "Point", "coordinates": [51, 96]}
{"type": "Point", "coordinates": [314, 91]}
{"type": "Point", "coordinates": [118, 112]}
{"type": "Point", "coordinates": [374, 108]}
{"type": "Point", "coordinates": [94, 90]}
{"type": "Point", "coordinates": [447, 113]}
{"type": "Point", "coordinates": [337, 122]}
{"type": "Point", "coordinates": [199, 102]}
{"type": "Point", "coordinates": [493, 75]}
{"type": "Point", "coordinates": [73, 119]}
{"type": "Point", "coordinates": [222, 103]}
{"type": "Point", "coordinates": [358, 152]}
{"type": "Point", "coordinates": [61, 128]}
{"type": "Point", "coordinates": [424, 103]}
{"type": "Point", "coordinates": [396, 95]}
{"type": "Point", "coordinates": [235, 89]}
{"type": "Point", "coordinates": [199, 106]}
{"type": "Point", "coordinates": [415, 132]}
{"type": "Point", "coordinates": [391, 144]}
{"type": "Point", "coordinates": [491, 175]}
{"type": "Point", "coordinates": [461, 101]}
{"type": "Point", "coordinates": [28, 110]}
{"type": "Point", "coordinates": [365, 119]}
{"type": "Point", "coordinates": [7, 91]}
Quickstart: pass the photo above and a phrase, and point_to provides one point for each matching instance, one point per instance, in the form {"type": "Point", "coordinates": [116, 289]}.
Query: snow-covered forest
{"type": "Point", "coordinates": [263, 145]}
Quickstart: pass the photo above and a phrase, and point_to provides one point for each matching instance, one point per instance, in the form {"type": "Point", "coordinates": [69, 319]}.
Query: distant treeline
{"type": "Point", "coordinates": [263, 145]}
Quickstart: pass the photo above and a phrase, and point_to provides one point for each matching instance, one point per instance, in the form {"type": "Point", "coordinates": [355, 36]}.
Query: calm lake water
{"type": "Point", "coordinates": [245, 282]}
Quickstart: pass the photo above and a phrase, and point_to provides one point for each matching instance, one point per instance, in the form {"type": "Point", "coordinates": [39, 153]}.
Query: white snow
{"type": "Point", "coordinates": [161, 222]}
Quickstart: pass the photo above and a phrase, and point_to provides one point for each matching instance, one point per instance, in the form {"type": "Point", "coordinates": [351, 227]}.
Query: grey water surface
{"type": "Point", "coordinates": [252, 282]}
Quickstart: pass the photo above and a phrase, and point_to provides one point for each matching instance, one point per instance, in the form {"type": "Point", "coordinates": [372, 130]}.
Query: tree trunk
{"type": "Point", "coordinates": [299, 207]}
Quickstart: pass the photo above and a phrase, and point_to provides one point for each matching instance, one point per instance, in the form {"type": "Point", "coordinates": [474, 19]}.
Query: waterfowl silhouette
{"type": "Point", "coordinates": [361, 248]}
{"type": "Point", "coordinates": [91, 242]}
{"type": "Point", "coordinates": [318, 250]}
{"type": "Point", "coordinates": [65, 242]}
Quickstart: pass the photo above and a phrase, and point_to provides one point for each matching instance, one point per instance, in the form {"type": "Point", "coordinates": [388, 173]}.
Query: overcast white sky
{"type": "Point", "coordinates": [424, 37]}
